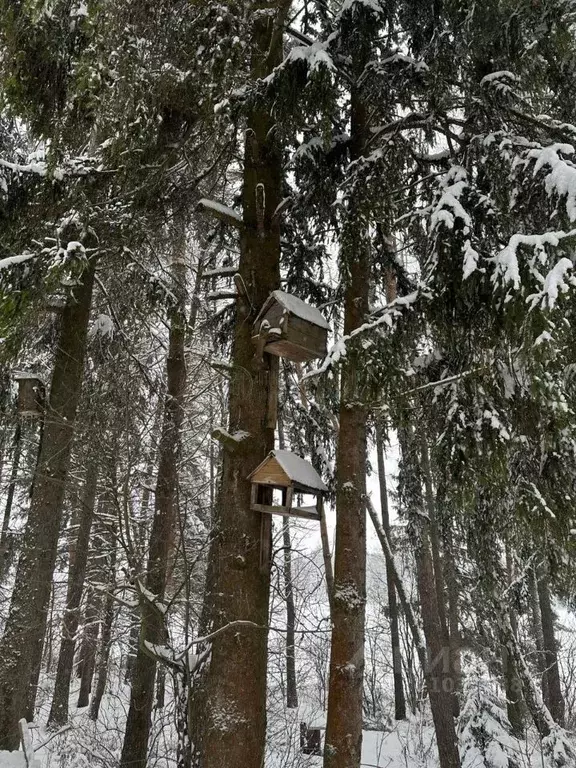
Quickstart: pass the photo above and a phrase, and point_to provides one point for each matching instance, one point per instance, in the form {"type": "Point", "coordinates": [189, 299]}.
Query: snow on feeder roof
{"type": "Point", "coordinates": [288, 472]}
{"type": "Point", "coordinates": [284, 468]}
{"type": "Point", "coordinates": [288, 327]}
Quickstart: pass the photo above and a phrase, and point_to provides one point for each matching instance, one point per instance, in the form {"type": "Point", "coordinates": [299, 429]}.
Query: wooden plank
{"type": "Point", "coordinates": [271, 474]}
{"type": "Point", "coordinates": [290, 351]}
{"type": "Point", "coordinates": [285, 512]}
{"type": "Point", "coordinates": [304, 328]}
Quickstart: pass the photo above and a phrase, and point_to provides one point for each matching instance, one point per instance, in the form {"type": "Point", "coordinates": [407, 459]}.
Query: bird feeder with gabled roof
{"type": "Point", "coordinates": [289, 473]}
{"type": "Point", "coordinates": [31, 394]}
{"type": "Point", "coordinates": [288, 327]}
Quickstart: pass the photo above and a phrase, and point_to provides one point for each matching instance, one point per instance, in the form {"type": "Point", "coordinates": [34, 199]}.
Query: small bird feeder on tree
{"type": "Point", "coordinates": [288, 473]}
{"type": "Point", "coordinates": [288, 327]}
{"type": "Point", "coordinates": [31, 394]}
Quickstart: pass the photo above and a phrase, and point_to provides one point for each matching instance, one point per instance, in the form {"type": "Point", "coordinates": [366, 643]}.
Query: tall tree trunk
{"type": "Point", "coordinates": [4, 543]}
{"type": "Point", "coordinates": [141, 541]}
{"type": "Point", "coordinates": [512, 684]}
{"type": "Point", "coordinates": [59, 710]}
{"type": "Point", "coordinates": [345, 693]}
{"type": "Point", "coordinates": [438, 672]}
{"type": "Point", "coordinates": [291, 683]}
{"type": "Point", "coordinates": [25, 627]}
{"type": "Point", "coordinates": [291, 686]}
{"type": "Point", "coordinates": [553, 688]}
{"type": "Point", "coordinates": [232, 700]}
{"type": "Point", "coordinates": [106, 635]}
{"type": "Point", "coordinates": [434, 533]}
{"type": "Point", "coordinates": [384, 539]}
{"type": "Point", "coordinates": [536, 626]}
{"type": "Point", "coordinates": [399, 698]}
{"type": "Point", "coordinates": [89, 645]}
{"type": "Point", "coordinates": [539, 712]}
{"type": "Point", "coordinates": [450, 574]}
{"type": "Point", "coordinates": [439, 676]}
{"type": "Point", "coordinates": [136, 737]}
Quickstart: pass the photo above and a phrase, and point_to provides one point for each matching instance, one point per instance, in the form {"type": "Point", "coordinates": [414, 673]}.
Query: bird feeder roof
{"type": "Point", "coordinates": [24, 375]}
{"type": "Point", "coordinates": [297, 470]}
{"type": "Point", "coordinates": [296, 307]}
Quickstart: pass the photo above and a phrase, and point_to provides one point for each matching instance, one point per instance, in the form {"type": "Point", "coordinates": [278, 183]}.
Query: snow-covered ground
{"type": "Point", "coordinates": [406, 744]}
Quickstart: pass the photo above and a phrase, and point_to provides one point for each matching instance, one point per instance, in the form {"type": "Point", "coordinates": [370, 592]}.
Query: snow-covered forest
{"type": "Point", "coordinates": [287, 384]}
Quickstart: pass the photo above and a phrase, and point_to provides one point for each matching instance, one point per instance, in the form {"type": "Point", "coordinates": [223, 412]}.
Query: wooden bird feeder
{"type": "Point", "coordinates": [288, 327]}
{"type": "Point", "coordinates": [287, 472]}
{"type": "Point", "coordinates": [310, 740]}
{"type": "Point", "coordinates": [31, 394]}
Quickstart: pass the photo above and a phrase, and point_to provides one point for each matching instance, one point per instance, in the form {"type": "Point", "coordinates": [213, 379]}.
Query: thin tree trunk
{"type": "Point", "coordinates": [59, 710]}
{"type": "Point", "coordinates": [229, 707]}
{"type": "Point", "coordinates": [89, 645]}
{"type": "Point", "coordinates": [438, 671]}
{"type": "Point", "coordinates": [16, 453]}
{"type": "Point", "coordinates": [537, 632]}
{"type": "Point", "coordinates": [453, 617]}
{"type": "Point", "coordinates": [136, 737]}
{"type": "Point", "coordinates": [439, 676]}
{"type": "Point", "coordinates": [291, 686]}
{"type": "Point", "coordinates": [434, 533]}
{"type": "Point", "coordinates": [399, 698]}
{"type": "Point", "coordinates": [385, 543]}
{"type": "Point", "coordinates": [106, 635]}
{"type": "Point", "coordinates": [553, 687]}
{"type": "Point", "coordinates": [541, 716]}
{"type": "Point", "coordinates": [25, 627]}
{"type": "Point", "coordinates": [343, 745]}
{"type": "Point", "coordinates": [141, 541]}
{"type": "Point", "coordinates": [512, 685]}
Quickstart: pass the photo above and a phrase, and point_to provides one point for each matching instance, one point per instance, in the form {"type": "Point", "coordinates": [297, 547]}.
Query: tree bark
{"type": "Point", "coordinates": [59, 710]}
{"type": "Point", "coordinates": [512, 684]}
{"type": "Point", "coordinates": [4, 543]}
{"type": "Point", "coordinates": [399, 698]}
{"type": "Point", "coordinates": [343, 745]}
{"type": "Point", "coordinates": [89, 645]}
{"type": "Point", "coordinates": [232, 701]}
{"type": "Point", "coordinates": [541, 716]}
{"type": "Point", "coordinates": [291, 685]}
{"type": "Point", "coordinates": [438, 671]}
{"type": "Point", "coordinates": [384, 539]}
{"type": "Point", "coordinates": [454, 638]}
{"type": "Point", "coordinates": [106, 634]}
{"type": "Point", "coordinates": [25, 627]}
{"type": "Point", "coordinates": [136, 737]}
{"type": "Point", "coordinates": [553, 687]}
{"type": "Point", "coordinates": [434, 533]}
{"type": "Point", "coordinates": [537, 632]}
{"type": "Point", "coordinates": [439, 678]}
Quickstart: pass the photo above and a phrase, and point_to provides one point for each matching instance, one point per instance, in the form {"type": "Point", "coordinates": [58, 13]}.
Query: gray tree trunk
{"type": "Point", "coordinates": [21, 644]}
{"type": "Point", "coordinates": [4, 540]}
{"type": "Point", "coordinates": [106, 634]}
{"type": "Point", "coordinates": [59, 710]}
{"type": "Point", "coordinates": [230, 709]}
{"type": "Point", "coordinates": [399, 698]}
{"type": "Point", "coordinates": [291, 685]}
{"type": "Point", "coordinates": [555, 702]}
{"type": "Point", "coordinates": [343, 745]}
{"type": "Point", "coordinates": [136, 737]}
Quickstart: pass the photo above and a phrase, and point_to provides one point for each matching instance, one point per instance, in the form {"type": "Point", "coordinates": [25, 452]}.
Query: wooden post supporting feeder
{"type": "Point", "coordinates": [31, 394]}
{"type": "Point", "coordinates": [288, 327]}
{"type": "Point", "coordinates": [287, 472]}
